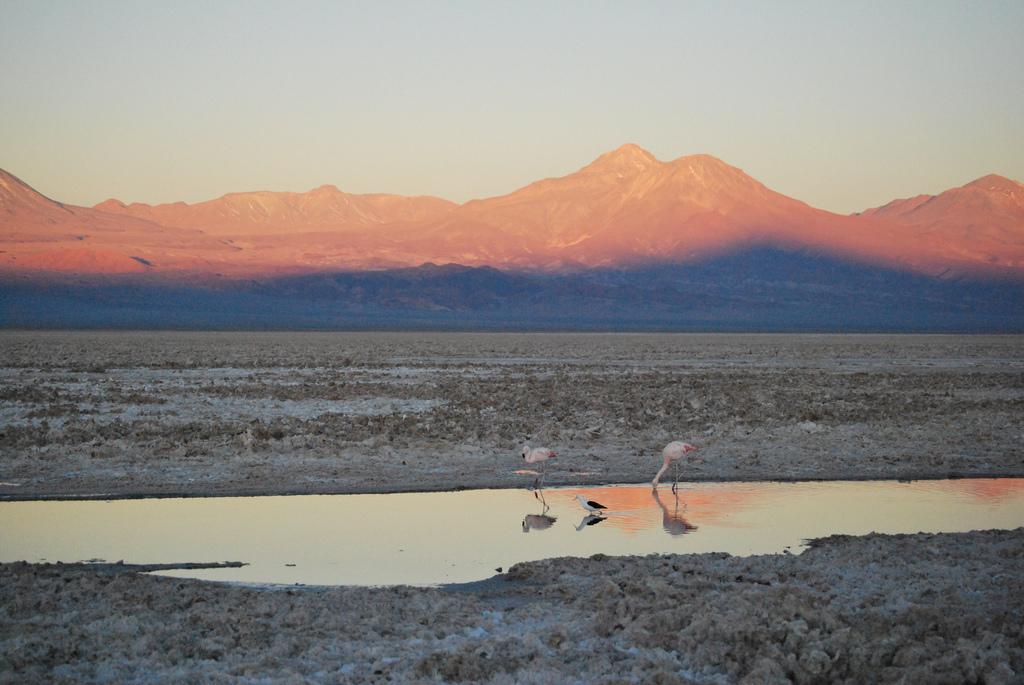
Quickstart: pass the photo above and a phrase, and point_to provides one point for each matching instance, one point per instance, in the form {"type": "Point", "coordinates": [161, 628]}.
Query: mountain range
{"type": "Point", "coordinates": [626, 234]}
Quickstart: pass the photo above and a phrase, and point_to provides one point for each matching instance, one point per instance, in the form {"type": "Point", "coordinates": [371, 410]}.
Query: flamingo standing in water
{"type": "Point", "coordinates": [538, 455]}
{"type": "Point", "coordinates": [673, 452]}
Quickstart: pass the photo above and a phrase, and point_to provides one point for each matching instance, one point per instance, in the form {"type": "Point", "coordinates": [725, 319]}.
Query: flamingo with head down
{"type": "Point", "coordinates": [673, 453]}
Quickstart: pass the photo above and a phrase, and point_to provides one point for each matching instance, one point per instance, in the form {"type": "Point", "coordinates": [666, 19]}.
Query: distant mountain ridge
{"type": "Point", "coordinates": [625, 209]}
{"type": "Point", "coordinates": [264, 212]}
{"type": "Point", "coordinates": [991, 206]}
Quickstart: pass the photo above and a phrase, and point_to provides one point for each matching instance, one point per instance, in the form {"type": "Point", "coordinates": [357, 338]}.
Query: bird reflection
{"type": "Point", "coordinates": [673, 522]}
{"type": "Point", "coordinates": [590, 520]}
{"type": "Point", "coordinates": [539, 521]}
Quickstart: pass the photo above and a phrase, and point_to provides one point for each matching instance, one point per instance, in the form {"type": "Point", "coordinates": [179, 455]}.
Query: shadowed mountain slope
{"type": "Point", "coordinates": [762, 289]}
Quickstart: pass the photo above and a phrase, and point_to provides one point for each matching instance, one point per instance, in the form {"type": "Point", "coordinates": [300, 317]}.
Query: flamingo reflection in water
{"type": "Point", "coordinates": [673, 522]}
{"type": "Point", "coordinates": [539, 521]}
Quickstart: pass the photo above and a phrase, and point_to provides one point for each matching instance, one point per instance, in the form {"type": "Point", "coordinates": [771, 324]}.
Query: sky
{"type": "Point", "coordinates": [844, 105]}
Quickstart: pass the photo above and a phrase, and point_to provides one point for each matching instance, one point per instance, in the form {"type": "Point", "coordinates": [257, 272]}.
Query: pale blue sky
{"type": "Point", "coordinates": [844, 105]}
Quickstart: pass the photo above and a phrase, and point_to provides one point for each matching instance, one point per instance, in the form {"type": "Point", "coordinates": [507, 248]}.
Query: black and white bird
{"type": "Point", "coordinates": [591, 505]}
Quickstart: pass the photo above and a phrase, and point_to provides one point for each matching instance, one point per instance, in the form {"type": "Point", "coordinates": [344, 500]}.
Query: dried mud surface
{"type": "Point", "coordinates": [124, 414]}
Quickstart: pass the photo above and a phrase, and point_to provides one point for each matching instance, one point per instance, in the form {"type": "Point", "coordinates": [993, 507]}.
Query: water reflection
{"type": "Point", "coordinates": [590, 520]}
{"type": "Point", "coordinates": [673, 522]}
{"type": "Point", "coordinates": [539, 521]}
{"type": "Point", "coordinates": [372, 539]}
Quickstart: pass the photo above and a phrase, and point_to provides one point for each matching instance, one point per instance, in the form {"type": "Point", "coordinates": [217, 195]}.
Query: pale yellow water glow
{"type": "Point", "coordinates": [431, 538]}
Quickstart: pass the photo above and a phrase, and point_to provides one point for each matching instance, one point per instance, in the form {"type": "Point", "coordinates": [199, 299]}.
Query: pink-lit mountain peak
{"type": "Point", "coordinates": [18, 198]}
{"type": "Point", "coordinates": [994, 192]}
{"type": "Point", "coordinates": [624, 205]}
{"type": "Point", "coordinates": [631, 175]}
{"type": "Point", "coordinates": [991, 206]}
{"type": "Point", "coordinates": [702, 182]}
{"type": "Point", "coordinates": [998, 184]}
{"type": "Point", "coordinates": [629, 158]}
{"type": "Point", "coordinates": [12, 187]}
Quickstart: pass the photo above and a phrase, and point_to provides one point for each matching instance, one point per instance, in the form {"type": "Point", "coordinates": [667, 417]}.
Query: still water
{"type": "Point", "coordinates": [453, 537]}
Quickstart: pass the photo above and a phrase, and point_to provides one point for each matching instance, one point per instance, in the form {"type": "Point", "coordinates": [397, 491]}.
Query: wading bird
{"type": "Point", "coordinates": [591, 505]}
{"type": "Point", "coordinates": [673, 452]}
{"type": "Point", "coordinates": [538, 455]}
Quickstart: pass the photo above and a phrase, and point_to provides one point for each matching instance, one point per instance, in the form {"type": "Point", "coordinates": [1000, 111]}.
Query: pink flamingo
{"type": "Point", "coordinates": [538, 455]}
{"type": "Point", "coordinates": [673, 452]}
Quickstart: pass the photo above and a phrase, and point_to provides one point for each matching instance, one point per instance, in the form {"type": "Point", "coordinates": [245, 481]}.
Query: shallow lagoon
{"type": "Point", "coordinates": [452, 537]}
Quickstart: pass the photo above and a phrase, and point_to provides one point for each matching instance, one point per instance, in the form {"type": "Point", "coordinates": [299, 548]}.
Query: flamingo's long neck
{"type": "Point", "coordinates": [664, 467]}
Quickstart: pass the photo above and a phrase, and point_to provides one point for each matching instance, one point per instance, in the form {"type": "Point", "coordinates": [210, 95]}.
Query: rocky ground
{"type": "Point", "coordinates": [228, 413]}
{"type": "Point", "coordinates": [910, 609]}
{"type": "Point", "coordinates": [232, 413]}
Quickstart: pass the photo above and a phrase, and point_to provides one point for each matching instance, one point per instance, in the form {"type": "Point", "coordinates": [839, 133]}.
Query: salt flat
{"type": "Point", "coordinates": [234, 413]}
{"type": "Point", "coordinates": [147, 413]}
